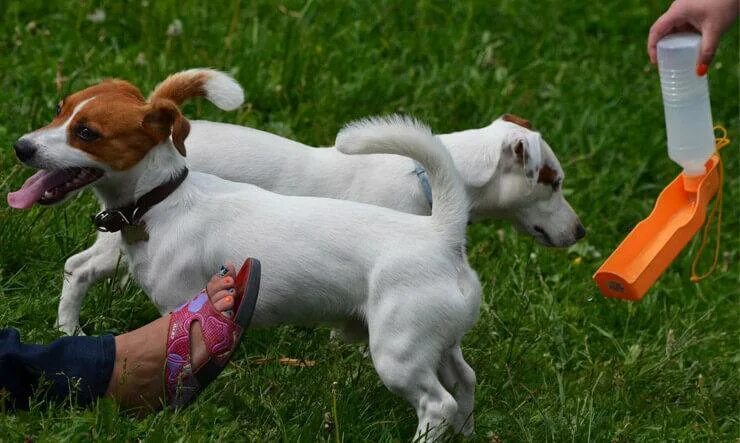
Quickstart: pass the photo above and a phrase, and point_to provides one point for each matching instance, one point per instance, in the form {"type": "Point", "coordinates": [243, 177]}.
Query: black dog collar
{"type": "Point", "coordinates": [114, 220]}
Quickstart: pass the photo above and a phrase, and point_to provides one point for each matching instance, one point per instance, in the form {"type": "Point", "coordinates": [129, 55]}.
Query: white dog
{"type": "Point", "coordinates": [492, 161]}
{"type": "Point", "coordinates": [404, 277]}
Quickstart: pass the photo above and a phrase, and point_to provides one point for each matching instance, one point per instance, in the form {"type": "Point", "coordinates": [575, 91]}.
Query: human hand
{"type": "Point", "coordinates": [710, 18]}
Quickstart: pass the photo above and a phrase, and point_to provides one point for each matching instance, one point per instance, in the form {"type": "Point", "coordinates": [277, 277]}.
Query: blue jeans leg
{"type": "Point", "coordinates": [77, 368]}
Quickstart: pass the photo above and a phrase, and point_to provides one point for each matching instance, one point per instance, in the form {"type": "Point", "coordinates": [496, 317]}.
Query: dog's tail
{"type": "Point", "coordinates": [408, 137]}
{"type": "Point", "coordinates": [219, 88]}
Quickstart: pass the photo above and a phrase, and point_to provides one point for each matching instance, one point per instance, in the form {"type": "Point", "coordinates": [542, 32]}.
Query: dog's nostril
{"type": "Point", "coordinates": [538, 229]}
{"type": "Point", "coordinates": [24, 149]}
{"type": "Point", "coordinates": [580, 231]}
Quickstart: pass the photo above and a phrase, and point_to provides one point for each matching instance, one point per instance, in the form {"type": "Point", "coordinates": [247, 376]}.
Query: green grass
{"type": "Point", "coordinates": [555, 360]}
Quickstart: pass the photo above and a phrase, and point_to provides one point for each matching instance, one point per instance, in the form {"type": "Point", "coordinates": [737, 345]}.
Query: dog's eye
{"type": "Point", "coordinates": [59, 108]}
{"type": "Point", "coordinates": [86, 134]}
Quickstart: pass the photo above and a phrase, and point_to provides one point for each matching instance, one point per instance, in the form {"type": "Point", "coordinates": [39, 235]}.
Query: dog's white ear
{"type": "Point", "coordinates": [526, 147]}
{"type": "Point", "coordinates": [480, 170]}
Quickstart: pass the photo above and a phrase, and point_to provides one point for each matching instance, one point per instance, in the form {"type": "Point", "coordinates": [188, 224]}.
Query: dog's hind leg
{"type": "Point", "coordinates": [406, 359]}
{"type": "Point", "coordinates": [81, 271]}
{"type": "Point", "coordinates": [459, 379]}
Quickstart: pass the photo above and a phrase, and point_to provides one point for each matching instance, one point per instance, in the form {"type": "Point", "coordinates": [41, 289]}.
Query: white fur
{"type": "Point", "coordinates": [220, 88]}
{"type": "Point", "coordinates": [51, 138]}
{"type": "Point", "coordinates": [495, 184]}
{"type": "Point", "coordinates": [223, 91]}
{"type": "Point", "coordinates": [405, 277]}
{"type": "Point", "coordinates": [406, 137]}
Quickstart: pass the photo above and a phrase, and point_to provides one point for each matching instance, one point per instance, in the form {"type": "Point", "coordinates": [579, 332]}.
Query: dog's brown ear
{"type": "Point", "coordinates": [526, 149]}
{"type": "Point", "coordinates": [521, 154]}
{"type": "Point", "coordinates": [162, 119]}
{"type": "Point", "coordinates": [517, 120]}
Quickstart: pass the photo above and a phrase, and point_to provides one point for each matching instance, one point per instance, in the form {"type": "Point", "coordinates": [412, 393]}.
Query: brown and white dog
{"type": "Point", "coordinates": [509, 171]}
{"type": "Point", "coordinates": [403, 278]}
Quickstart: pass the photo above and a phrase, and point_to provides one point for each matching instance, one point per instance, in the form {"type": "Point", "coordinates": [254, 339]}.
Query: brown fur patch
{"type": "Point", "coordinates": [517, 120]}
{"type": "Point", "coordinates": [521, 153]}
{"type": "Point", "coordinates": [124, 121]}
{"type": "Point", "coordinates": [164, 118]}
{"type": "Point", "coordinates": [181, 86]}
{"type": "Point", "coordinates": [548, 176]}
{"type": "Point", "coordinates": [118, 88]}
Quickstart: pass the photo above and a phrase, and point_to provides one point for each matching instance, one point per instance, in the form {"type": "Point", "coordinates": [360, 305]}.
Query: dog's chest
{"type": "Point", "coordinates": [165, 271]}
{"type": "Point", "coordinates": [134, 234]}
{"type": "Point", "coordinates": [140, 255]}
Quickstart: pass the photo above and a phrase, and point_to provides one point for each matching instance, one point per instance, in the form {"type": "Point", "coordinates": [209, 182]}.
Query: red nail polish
{"type": "Point", "coordinates": [701, 70]}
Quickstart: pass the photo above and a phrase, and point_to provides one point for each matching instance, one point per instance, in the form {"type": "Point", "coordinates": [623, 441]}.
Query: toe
{"type": "Point", "coordinates": [220, 295]}
{"type": "Point", "coordinates": [223, 280]}
{"type": "Point", "coordinates": [230, 269]}
{"type": "Point", "coordinates": [225, 303]}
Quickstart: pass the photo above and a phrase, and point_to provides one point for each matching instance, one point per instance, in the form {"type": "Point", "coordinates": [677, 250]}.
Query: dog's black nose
{"type": "Point", "coordinates": [24, 149]}
{"type": "Point", "coordinates": [580, 231]}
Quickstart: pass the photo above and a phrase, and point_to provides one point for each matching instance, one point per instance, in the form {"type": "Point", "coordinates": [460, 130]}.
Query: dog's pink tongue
{"type": "Point", "coordinates": [32, 190]}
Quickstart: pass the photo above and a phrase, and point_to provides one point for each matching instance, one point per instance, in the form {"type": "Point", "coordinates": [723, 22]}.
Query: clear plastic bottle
{"type": "Point", "coordinates": [688, 116]}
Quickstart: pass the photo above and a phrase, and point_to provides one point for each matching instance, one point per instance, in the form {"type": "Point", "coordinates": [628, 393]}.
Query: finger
{"type": "Point", "coordinates": [662, 27]}
{"type": "Point", "coordinates": [709, 42]}
{"type": "Point", "coordinates": [686, 27]}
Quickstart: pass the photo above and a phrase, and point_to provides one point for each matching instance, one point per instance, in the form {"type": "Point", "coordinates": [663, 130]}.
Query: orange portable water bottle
{"type": "Point", "coordinates": [680, 210]}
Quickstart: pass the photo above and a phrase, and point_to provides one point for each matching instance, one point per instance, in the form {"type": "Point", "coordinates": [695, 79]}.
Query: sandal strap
{"type": "Point", "coordinates": [219, 336]}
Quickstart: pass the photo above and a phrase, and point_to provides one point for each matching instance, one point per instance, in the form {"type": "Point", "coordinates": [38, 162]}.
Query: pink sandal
{"type": "Point", "coordinates": [221, 335]}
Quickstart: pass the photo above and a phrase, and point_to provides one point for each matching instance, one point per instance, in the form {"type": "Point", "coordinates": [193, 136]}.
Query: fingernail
{"type": "Point", "coordinates": [701, 70]}
{"type": "Point", "coordinates": [223, 270]}
{"type": "Point", "coordinates": [227, 281]}
{"type": "Point", "coordinates": [232, 290]}
{"type": "Point", "coordinates": [229, 299]}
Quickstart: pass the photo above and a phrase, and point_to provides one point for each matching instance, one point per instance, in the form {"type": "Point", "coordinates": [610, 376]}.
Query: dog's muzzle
{"type": "Point", "coordinates": [580, 231]}
{"type": "Point", "coordinates": [24, 150]}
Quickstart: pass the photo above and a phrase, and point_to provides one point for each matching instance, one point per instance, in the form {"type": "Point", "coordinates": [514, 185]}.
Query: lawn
{"type": "Point", "coordinates": [555, 360]}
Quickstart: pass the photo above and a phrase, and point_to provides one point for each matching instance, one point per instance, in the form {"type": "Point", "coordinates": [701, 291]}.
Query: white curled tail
{"type": "Point", "coordinates": [410, 138]}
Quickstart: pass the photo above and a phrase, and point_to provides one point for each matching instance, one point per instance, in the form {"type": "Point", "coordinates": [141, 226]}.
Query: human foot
{"type": "Point", "coordinates": [138, 378]}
